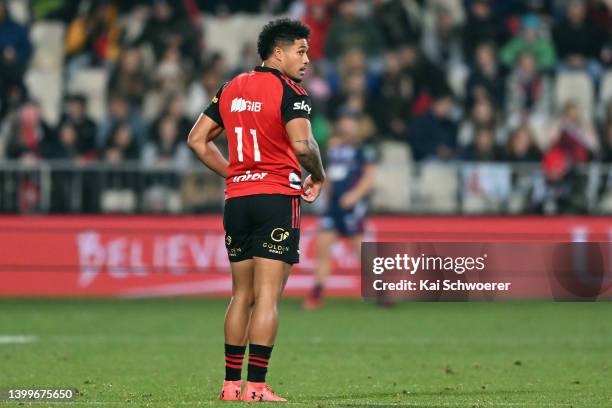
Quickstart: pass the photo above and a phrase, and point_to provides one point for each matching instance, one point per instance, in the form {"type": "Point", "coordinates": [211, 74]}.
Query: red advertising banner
{"type": "Point", "coordinates": [140, 256]}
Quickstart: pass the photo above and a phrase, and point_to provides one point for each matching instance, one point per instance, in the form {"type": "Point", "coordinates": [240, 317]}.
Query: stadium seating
{"type": "Point", "coordinates": [605, 93]}
{"type": "Point", "coordinates": [91, 82]}
{"type": "Point", "coordinates": [578, 87]}
{"type": "Point", "coordinates": [438, 188]}
{"type": "Point", "coordinates": [393, 178]}
{"type": "Point", "coordinates": [44, 77]}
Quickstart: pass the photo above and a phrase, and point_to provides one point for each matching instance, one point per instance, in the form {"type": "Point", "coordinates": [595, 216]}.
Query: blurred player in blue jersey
{"type": "Point", "coordinates": [350, 178]}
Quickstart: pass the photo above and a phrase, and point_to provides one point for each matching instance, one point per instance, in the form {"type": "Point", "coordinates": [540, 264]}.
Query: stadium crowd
{"type": "Point", "coordinates": [451, 80]}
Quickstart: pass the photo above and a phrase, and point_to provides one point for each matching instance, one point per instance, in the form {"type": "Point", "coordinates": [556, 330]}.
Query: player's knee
{"type": "Point", "coordinates": [267, 298]}
{"type": "Point", "coordinates": [246, 298]}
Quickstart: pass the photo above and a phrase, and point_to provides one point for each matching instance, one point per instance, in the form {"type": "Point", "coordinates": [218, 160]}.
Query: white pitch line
{"type": "Point", "coordinates": [94, 338]}
{"type": "Point", "coordinates": [17, 339]}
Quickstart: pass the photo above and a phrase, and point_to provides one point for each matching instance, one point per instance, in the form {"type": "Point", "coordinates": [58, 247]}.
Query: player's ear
{"type": "Point", "coordinates": [278, 53]}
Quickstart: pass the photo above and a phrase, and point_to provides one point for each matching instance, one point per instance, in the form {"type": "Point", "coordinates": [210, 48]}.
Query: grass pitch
{"type": "Point", "coordinates": [168, 353]}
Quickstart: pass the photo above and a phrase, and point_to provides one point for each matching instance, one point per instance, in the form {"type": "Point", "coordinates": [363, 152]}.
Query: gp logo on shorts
{"type": "Point", "coordinates": [279, 235]}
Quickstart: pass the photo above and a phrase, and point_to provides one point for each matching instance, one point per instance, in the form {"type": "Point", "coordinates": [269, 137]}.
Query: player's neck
{"type": "Point", "coordinates": [272, 64]}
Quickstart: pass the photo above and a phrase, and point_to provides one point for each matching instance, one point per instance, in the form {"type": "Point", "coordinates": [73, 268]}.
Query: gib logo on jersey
{"type": "Point", "coordinates": [302, 106]}
{"type": "Point", "coordinates": [248, 176]}
{"type": "Point", "coordinates": [241, 105]}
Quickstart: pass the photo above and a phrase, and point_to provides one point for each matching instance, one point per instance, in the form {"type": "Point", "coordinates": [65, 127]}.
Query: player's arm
{"type": "Point", "coordinates": [306, 147]}
{"type": "Point", "coordinates": [200, 140]}
{"type": "Point", "coordinates": [307, 152]}
{"type": "Point", "coordinates": [208, 127]}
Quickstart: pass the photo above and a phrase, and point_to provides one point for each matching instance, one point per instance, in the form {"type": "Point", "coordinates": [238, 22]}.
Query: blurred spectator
{"type": "Point", "coordinates": [165, 155]}
{"type": "Point", "coordinates": [482, 26]}
{"type": "Point", "coordinates": [530, 40]}
{"type": "Point", "coordinates": [529, 92]}
{"type": "Point", "coordinates": [122, 145]}
{"type": "Point", "coordinates": [13, 91]}
{"type": "Point", "coordinates": [119, 112]}
{"type": "Point", "coordinates": [349, 30]}
{"type": "Point", "coordinates": [129, 77]}
{"type": "Point", "coordinates": [63, 10]}
{"type": "Point", "coordinates": [92, 39]}
{"type": "Point", "coordinates": [434, 135]}
{"type": "Point", "coordinates": [575, 133]}
{"type": "Point", "coordinates": [578, 40]}
{"type": "Point", "coordinates": [84, 127]}
{"type": "Point", "coordinates": [486, 80]}
{"type": "Point", "coordinates": [174, 110]}
{"type": "Point", "coordinates": [442, 40]}
{"type": "Point", "coordinates": [354, 99]}
{"type": "Point", "coordinates": [606, 134]}
{"type": "Point", "coordinates": [600, 14]}
{"type": "Point", "coordinates": [353, 85]}
{"type": "Point", "coordinates": [318, 18]}
{"type": "Point", "coordinates": [606, 154]}
{"type": "Point", "coordinates": [353, 61]}
{"type": "Point", "coordinates": [199, 94]}
{"type": "Point", "coordinates": [248, 60]}
{"type": "Point", "coordinates": [13, 36]}
{"type": "Point", "coordinates": [224, 7]}
{"type": "Point", "coordinates": [66, 146]}
{"type": "Point", "coordinates": [426, 78]}
{"type": "Point", "coordinates": [169, 28]}
{"type": "Point", "coordinates": [483, 148]}
{"type": "Point", "coordinates": [606, 52]}
{"type": "Point", "coordinates": [574, 144]}
{"type": "Point", "coordinates": [170, 75]}
{"type": "Point", "coordinates": [396, 22]}
{"type": "Point", "coordinates": [15, 51]}
{"type": "Point", "coordinates": [168, 149]}
{"type": "Point", "coordinates": [29, 136]}
{"type": "Point", "coordinates": [482, 115]}
{"type": "Point", "coordinates": [214, 73]}
{"type": "Point", "coordinates": [392, 108]}
{"type": "Point", "coordinates": [521, 146]}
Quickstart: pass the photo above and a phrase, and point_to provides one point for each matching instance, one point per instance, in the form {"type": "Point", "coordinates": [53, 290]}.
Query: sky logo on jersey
{"type": "Point", "coordinates": [302, 106]}
{"type": "Point", "coordinates": [249, 176]}
{"type": "Point", "coordinates": [241, 105]}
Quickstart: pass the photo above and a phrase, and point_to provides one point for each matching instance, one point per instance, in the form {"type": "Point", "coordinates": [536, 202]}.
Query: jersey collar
{"type": "Point", "coordinates": [259, 68]}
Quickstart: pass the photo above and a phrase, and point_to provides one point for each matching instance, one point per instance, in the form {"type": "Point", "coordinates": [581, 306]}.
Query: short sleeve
{"type": "Point", "coordinates": [295, 106]}
{"type": "Point", "coordinates": [368, 154]}
{"type": "Point", "coordinates": [212, 111]}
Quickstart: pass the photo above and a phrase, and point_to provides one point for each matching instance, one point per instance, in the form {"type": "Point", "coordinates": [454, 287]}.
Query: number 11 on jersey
{"type": "Point", "coordinates": [257, 155]}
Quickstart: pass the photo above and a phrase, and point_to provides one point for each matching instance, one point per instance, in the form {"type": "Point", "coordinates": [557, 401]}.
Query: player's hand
{"type": "Point", "coordinates": [312, 189]}
{"type": "Point", "coordinates": [348, 200]}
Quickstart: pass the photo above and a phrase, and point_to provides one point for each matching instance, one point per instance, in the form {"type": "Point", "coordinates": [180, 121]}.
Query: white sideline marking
{"type": "Point", "coordinates": [8, 339]}
{"type": "Point", "coordinates": [414, 340]}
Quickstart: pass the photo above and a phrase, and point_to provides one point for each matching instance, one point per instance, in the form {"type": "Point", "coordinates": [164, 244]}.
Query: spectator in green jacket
{"type": "Point", "coordinates": [532, 41]}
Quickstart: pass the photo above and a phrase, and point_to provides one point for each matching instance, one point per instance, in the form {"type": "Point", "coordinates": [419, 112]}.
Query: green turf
{"type": "Point", "coordinates": [166, 353]}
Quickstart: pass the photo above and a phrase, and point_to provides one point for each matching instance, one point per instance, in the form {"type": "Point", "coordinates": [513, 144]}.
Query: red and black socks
{"type": "Point", "coordinates": [233, 362]}
{"type": "Point", "coordinates": [259, 356]}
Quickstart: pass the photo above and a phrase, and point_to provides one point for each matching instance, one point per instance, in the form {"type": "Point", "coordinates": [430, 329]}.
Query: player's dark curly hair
{"type": "Point", "coordinates": [277, 32]}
